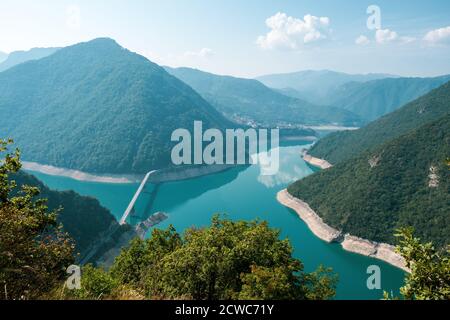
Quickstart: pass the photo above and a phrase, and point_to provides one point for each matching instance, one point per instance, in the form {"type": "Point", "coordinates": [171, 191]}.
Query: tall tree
{"type": "Point", "coordinates": [430, 268]}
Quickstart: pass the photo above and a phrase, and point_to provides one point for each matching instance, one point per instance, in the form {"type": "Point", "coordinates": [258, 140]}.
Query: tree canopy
{"type": "Point", "coordinates": [228, 260]}
{"type": "Point", "coordinates": [34, 252]}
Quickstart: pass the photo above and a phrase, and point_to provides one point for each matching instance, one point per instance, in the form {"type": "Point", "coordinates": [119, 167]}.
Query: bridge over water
{"type": "Point", "coordinates": [130, 209]}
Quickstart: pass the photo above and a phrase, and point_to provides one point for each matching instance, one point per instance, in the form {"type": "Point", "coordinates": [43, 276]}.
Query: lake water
{"type": "Point", "coordinates": [242, 193]}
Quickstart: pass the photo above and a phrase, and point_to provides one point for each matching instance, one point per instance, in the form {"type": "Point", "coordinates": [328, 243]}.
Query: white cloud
{"type": "Point", "coordinates": [291, 33]}
{"type": "Point", "coordinates": [203, 53]}
{"type": "Point", "coordinates": [438, 36]}
{"type": "Point", "coordinates": [362, 40]}
{"type": "Point", "coordinates": [383, 36]}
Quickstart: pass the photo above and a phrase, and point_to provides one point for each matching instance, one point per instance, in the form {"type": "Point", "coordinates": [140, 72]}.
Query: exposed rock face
{"type": "Point", "coordinates": [374, 249]}
{"type": "Point", "coordinates": [374, 161]}
{"type": "Point", "coordinates": [314, 222]}
{"type": "Point", "coordinates": [350, 243]}
{"type": "Point", "coordinates": [434, 178]}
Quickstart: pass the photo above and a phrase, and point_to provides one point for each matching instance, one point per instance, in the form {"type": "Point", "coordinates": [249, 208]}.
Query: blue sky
{"type": "Point", "coordinates": [245, 38]}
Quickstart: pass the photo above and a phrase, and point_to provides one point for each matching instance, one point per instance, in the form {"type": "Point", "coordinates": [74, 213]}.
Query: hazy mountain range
{"type": "Point", "coordinates": [315, 86]}
{"type": "Point", "coordinates": [369, 96]}
{"type": "Point", "coordinates": [18, 57]}
{"type": "Point", "coordinates": [250, 99]}
{"type": "Point", "coordinates": [373, 99]}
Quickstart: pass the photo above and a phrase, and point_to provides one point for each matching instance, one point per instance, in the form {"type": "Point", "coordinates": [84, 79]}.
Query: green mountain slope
{"type": "Point", "coordinates": [315, 86]}
{"type": "Point", "coordinates": [248, 99]}
{"type": "Point", "coordinates": [341, 146]}
{"type": "Point", "coordinates": [99, 108]}
{"type": "Point", "coordinates": [373, 99]}
{"type": "Point", "coordinates": [387, 187]}
{"type": "Point", "coordinates": [82, 217]}
{"type": "Point", "coordinates": [18, 57]}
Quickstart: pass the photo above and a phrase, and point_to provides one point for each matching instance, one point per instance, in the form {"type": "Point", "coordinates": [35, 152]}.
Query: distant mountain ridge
{"type": "Point", "coordinates": [341, 146]}
{"type": "Point", "coordinates": [369, 96]}
{"type": "Point", "coordinates": [250, 99]}
{"type": "Point", "coordinates": [315, 85]}
{"type": "Point", "coordinates": [99, 108]}
{"type": "Point", "coordinates": [375, 98]}
{"type": "Point", "coordinates": [18, 57]}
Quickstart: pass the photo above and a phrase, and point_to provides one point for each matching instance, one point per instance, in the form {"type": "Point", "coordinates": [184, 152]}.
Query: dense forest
{"type": "Point", "coordinates": [340, 146]}
{"type": "Point", "coordinates": [99, 108]}
{"type": "Point", "coordinates": [82, 217]}
{"type": "Point", "coordinates": [403, 182]}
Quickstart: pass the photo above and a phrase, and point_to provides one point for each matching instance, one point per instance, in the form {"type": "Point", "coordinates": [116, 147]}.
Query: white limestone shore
{"type": "Point", "coordinates": [316, 162]}
{"type": "Point", "coordinates": [381, 251]}
{"type": "Point", "coordinates": [78, 175]}
{"type": "Point", "coordinates": [299, 138]}
{"type": "Point", "coordinates": [163, 175]}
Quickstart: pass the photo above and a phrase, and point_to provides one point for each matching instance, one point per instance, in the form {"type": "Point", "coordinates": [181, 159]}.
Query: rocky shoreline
{"type": "Point", "coordinates": [162, 175]}
{"type": "Point", "coordinates": [78, 175]}
{"type": "Point", "coordinates": [381, 251]}
{"type": "Point", "coordinates": [316, 162]}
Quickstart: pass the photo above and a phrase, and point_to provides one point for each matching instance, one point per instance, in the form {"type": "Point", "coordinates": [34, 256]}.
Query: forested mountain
{"type": "Point", "coordinates": [373, 99]}
{"type": "Point", "coordinates": [315, 86]}
{"type": "Point", "coordinates": [18, 57]}
{"type": "Point", "coordinates": [341, 146]}
{"type": "Point", "coordinates": [82, 217]}
{"type": "Point", "coordinates": [403, 182]}
{"type": "Point", "coordinates": [99, 108]}
{"type": "Point", "coordinates": [249, 99]}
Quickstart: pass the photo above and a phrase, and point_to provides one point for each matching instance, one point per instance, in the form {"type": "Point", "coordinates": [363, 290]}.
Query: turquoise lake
{"type": "Point", "coordinates": [242, 193]}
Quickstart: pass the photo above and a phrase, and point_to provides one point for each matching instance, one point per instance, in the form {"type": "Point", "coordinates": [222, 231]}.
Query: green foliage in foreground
{"type": "Point", "coordinates": [430, 269]}
{"type": "Point", "coordinates": [33, 251]}
{"type": "Point", "coordinates": [228, 260]}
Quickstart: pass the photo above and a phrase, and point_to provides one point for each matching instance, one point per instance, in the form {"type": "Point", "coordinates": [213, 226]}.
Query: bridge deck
{"type": "Point", "coordinates": [135, 197]}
